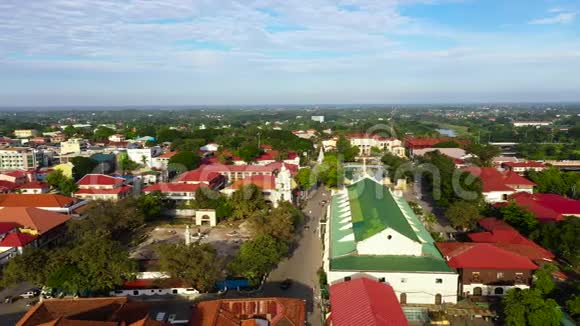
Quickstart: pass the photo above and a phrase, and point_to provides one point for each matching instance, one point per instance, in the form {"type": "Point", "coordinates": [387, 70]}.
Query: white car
{"type": "Point", "coordinates": [160, 316]}
{"type": "Point", "coordinates": [29, 294]}
{"type": "Point", "coordinates": [171, 318]}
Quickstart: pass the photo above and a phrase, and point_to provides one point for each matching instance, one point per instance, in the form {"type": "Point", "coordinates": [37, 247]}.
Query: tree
{"type": "Point", "coordinates": [249, 152]}
{"type": "Point", "coordinates": [561, 238]}
{"type": "Point", "coordinates": [395, 166]}
{"type": "Point", "coordinates": [184, 161]}
{"type": "Point", "coordinates": [330, 172]}
{"type": "Point", "coordinates": [519, 217]}
{"type": "Point", "coordinates": [527, 307]}
{"type": "Point", "coordinates": [543, 279]}
{"type": "Point", "coordinates": [70, 131]}
{"type": "Point", "coordinates": [246, 200]}
{"type": "Point", "coordinates": [28, 267]}
{"type": "Point", "coordinates": [484, 154]}
{"type": "Point", "coordinates": [152, 205]}
{"type": "Point", "coordinates": [94, 262]}
{"type": "Point", "coordinates": [573, 305]}
{"type": "Point", "coordinates": [447, 144]}
{"type": "Point", "coordinates": [463, 214]}
{"type": "Point", "coordinates": [348, 151]}
{"type": "Point", "coordinates": [197, 264]}
{"type": "Point", "coordinates": [554, 181]}
{"type": "Point", "coordinates": [256, 257]}
{"type": "Point", "coordinates": [304, 178]}
{"type": "Point", "coordinates": [82, 166]}
{"type": "Point", "coordinates": [279, 223]}
{"type": "Point", "coordinates": [125, 163]}
{"type": "Point", "coordinates": [375, 151]}
{"type": "Point", "coordinates": [103, 133]}
{"type": "Point", "coordinates": [206, 198]}
{"type": "Point", "coordinates": [58, 180]}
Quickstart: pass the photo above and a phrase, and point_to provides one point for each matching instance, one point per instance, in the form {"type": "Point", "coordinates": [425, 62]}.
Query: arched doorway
{"type": "Point", "coordinates": [498, 291]}
{"type": "Point", "coordinates": [477, 291]}
{"type": "Point", "coordinates": [438, 298]}
{"type": "Point", "coordinates": [403, 298]}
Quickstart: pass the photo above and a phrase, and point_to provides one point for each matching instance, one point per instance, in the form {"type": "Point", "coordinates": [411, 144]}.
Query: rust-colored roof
{"type": "Point", "coordinates": [30, 217]}
{"type": "Point", "coordinates": [86, 311]}
{"type": "Point", "coordinates": [264, 182]}
{"type": "Point", "coordinates": [35, 200]}
{"type": "Point", "coordinates": [278, 311]}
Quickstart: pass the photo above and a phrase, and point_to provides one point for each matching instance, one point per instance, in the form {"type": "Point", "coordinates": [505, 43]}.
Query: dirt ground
{"type": "Point", "coordinates": [226, 238]}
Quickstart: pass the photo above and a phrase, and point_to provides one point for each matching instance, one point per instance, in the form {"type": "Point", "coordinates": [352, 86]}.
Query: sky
{"type": "Point", "coordinates": [212, 52]}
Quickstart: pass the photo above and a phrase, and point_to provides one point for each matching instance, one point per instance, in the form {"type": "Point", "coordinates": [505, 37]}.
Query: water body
{"type": "Point", "coordinates": [447, 132]}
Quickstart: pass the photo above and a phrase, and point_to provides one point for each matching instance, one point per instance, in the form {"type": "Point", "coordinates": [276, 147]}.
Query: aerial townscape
{"type": "Point", "coordinates": [289, 163]}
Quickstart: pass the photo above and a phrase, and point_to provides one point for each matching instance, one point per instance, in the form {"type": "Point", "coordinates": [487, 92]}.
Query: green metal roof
{"type": "Point", "coordinates": [390, 263]}
{"type": "Point", "coordinates": [342, 241]}
{"type": "Point", "coordinates": [374, 209]}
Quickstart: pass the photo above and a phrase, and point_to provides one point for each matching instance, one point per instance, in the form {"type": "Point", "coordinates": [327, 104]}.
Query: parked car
{"type": "Point", "coordinates": [160, 316]}
{"type": "Point", "coordinates": [30, 293]}
{"type": "Point", "coordinates": [171, 318]}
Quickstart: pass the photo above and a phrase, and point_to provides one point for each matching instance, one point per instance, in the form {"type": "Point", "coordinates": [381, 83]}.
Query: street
{"type": "Point", "coordinates": [305, 261]}
{"type": "Point", "coordinates": [10, 313]}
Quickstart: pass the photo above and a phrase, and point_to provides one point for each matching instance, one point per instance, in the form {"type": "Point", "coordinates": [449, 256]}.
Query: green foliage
{"type": "Point", "coordinates": [168, 135]}
{"type": "Point", "coordinates": [257, 257]}
{"type": "Point", "coordinates": [573, 305]}
{"type": "Point", "coordinates": [330, 172]}
{"type": "Point", "coordinates": [543, 279]}
{"type": "Point", "coordinates": [58, 180]}
{"type": "Point", "coordinates": [206, 198]}
{"type": "Point", "coordinates": [463, 214]}
{"type": "Point", "coordinates": [82, 166]}
{"type": "Point", "coordinates": [187, 145]}
{"type": "Point", "coordinates": [561, 238]}
{"type": "Point", "coordinates": [285, 140]}
{"type": "Point", "coordinates": [519, 217]}
{"type": "Point", "coordinates": [245, 201]}
{"type": "Point", "coordinates": [527, 307]}
{"type": "Point", "coordinates": [125, 164]}
{"type": "Point", "coordinates": [28, 267]}
{"type": "Point", "coordinates": [554, 181]}
{"type": "Point", "coordinates": [184, 161]}
{"type": "Point", "coordinates": [344, 147]}
{"type": "Point", "coordinates": [397, 167]}
{"type": "Point", "coordinates": [197, 264]}
{"type": "Point", "coordinates": [484, 154]}
{"type": "Point", "coordinates": [70, 131]}
{"type": "Point", "coordinates": [305, 178]}
{"type": "Point", "coordinates": [249, 152]}
{"type": "Point", "coordinates": [103, 133]}
{"type": "Point", "coordinates": [152, 205]}
{"type": "Point", "coordinates": [447, 184]}
{"type": "Point", "coordinates": [279, 223]}
{"type": "Point", "coordinates": [447, 144]}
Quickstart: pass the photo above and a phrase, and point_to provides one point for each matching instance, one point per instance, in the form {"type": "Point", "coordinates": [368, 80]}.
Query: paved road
{"type": "Point", "coordinates": [305, 261]}
{"type": "Point", "coordinates": [10, 313]}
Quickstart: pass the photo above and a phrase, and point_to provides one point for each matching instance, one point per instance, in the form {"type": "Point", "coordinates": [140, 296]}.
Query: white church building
{"type": "Point", "coordinates": [373, 233]}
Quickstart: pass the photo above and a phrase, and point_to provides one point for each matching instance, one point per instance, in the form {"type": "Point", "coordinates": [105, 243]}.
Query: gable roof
{"type": "Point", "coordinates": [374, 209]}
{"type": "Point", "coordinates": [36, 200]}
{"type": "Point", "coordinates": [264, 182]}
{"type": "Point", "coordinates": [234, 312]}
{"type": "Point", "coordinates": [494, 180]}
{"type": "Point", "coordinates": [34, 185]}
{"type": "Point", "coordinates": [7, 226]}
{"type": "Point", "coordinates": [482, 256]}
{"type": "Point", "coordinates": [174, 187]}
{"type": "Point", "coordinates": [114, 191]}
{"type": "Point", "coordinates": [365, 302]}
{"type": "Point", "coordinates": [17, 239]}
{"type": "Point", "coordinates": [198, 175]}
{"type": "Point", "coordinates": [99, 179]}
{"type": "Point", "coordinates": [548, 207]}
{"type": "Point", "coordinates": [31, 217]}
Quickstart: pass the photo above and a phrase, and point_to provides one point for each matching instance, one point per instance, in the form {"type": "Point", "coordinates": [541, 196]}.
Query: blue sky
{"type": "Point", "coordinates": [122, 52]}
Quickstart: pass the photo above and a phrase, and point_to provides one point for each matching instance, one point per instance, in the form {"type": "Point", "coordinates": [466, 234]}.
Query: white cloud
{"type": "Point", "coordinates": [561, 18]}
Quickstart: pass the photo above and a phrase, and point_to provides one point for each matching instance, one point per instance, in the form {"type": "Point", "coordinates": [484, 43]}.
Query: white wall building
{"type": "Point", "coordinates": [373, 233]}
{"type": "Point", "coordinates": [317, 118]}
{"type": "Point", "coordinates": [365, 142]}
{"type": "Point", "coordinates": [144, 155]}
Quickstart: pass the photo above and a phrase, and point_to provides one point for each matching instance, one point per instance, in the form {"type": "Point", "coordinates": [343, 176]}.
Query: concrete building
{"type": "Point", "coordinates": [531, 123]}
{"type": "Point", "coordinates": [21, 158]}
{"type": "Point", "coordinates": [25, 133]}
{"type": "Point", "coordinates": [317, 118]}
{"type": "Point", "coordinates": [499, 186]}
{"type": "Point", "coordinates": [73, 146]}
{"type": "Point", "coordinates": [366, 141]}
{"type": "Point", "coordinates": [372, 233]}
{"type": "Point", "coordinates": [101, 186]}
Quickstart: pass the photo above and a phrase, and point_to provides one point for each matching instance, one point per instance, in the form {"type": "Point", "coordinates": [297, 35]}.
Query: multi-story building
{"type": "Point", "coordinates": [73, 146]}
{"type": "Point", "coordinates": [25, 133]}
{"type": "Point", "coordinates": [531, 123]}
{"type": "Point", "coordinates": [101, 186]}
{"type": "Point", "coordinates": [21, 158]}
{"type": "Point", "coordinates": [366, 141]}
{"type": "Point", "coordinates": [144, 155]}
{"type": "Point", "coordinates": [370, 232]}
{"type": "Point", "coordinates": [523, 167]}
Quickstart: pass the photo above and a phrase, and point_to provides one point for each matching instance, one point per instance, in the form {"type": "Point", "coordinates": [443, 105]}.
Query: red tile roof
{"type": "Point", "coordinates": [114, 191]}
{"type": "Point", "coordinates": [418, 143]}
{"type": "Point", "coordinates": [7, 226]}
{"type": "Point", "coordinates": [365, 302]}
{"type": "Point", "coordinates": [168, 154]}
{"type": "Point", "coordinates": [36, 200]}
{"type": "Point", "coordinates": [173, 187]}
{"type": "Point", "coordinates": [494, 180]}
{"type": "Point", "coordinates": [99, 180]}
{"type": "Point", "coordinates": [16, 173]}
{"type": "Point", "coordinates": [17, 239]}
{"type": "Point", "coordinates": [7, 185]}
{"type": "Point", "coordinates": [482, 256]}
{"type": "Point", "coordinates": [264, 182]}
{"type": "Point", "coordinates": [547, 207]}
{"type": "Point", "coordinates": [234, 312]}
{"type": "Point", "coordinates": [200, 174]}
{"type": "Point", "coordinates": [527, 164]}
{"type": "Point", "coordinates": [30, 217]}
{"type": "Point", "coordinates": [34, 185]}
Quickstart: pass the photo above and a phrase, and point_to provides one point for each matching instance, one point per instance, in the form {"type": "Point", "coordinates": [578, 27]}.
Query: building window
{"type": "Point", "coordinates": [135, 292]}
{"type": "Point", "coordinates": [438, 280]}
{"type": "Point", "coordinates": [403, 280]}
{"type": "Point", "coordinates": [346, 279]}
{"type": "Point", "coordinates": [382, 280]}
{"type": "Point", "coordinates": [475, 276]}
{"type": "Point", "coordinates": [499, 275]}
{"type": "Point", "coordinates": [498, 291]}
